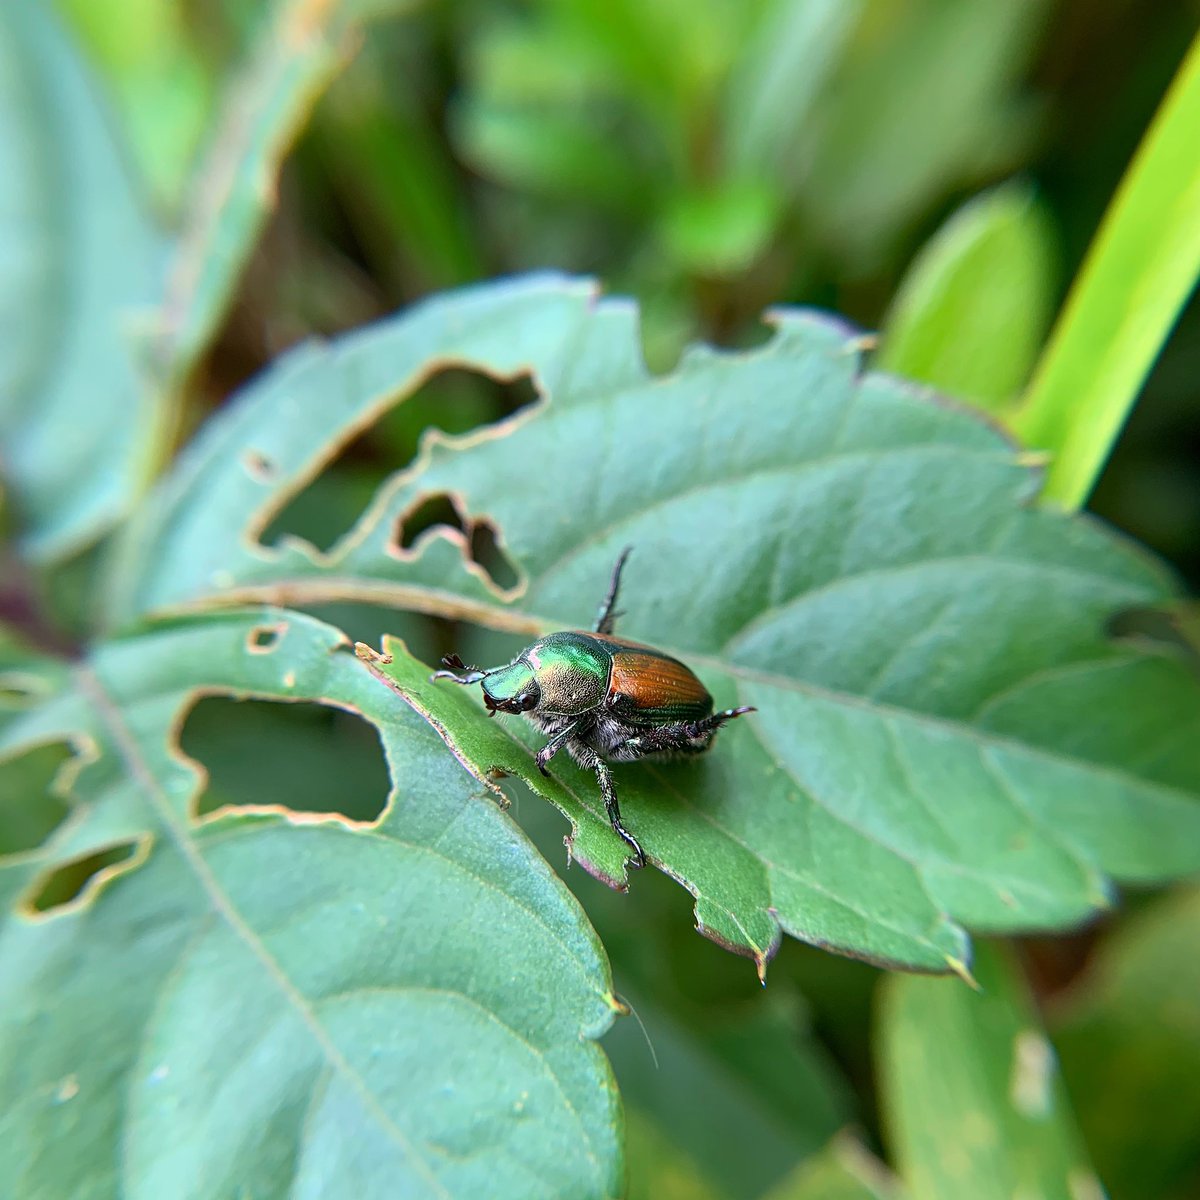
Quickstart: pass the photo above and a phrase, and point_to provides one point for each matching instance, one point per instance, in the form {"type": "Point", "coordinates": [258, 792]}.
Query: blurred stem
{"type": "Point", "coordinates": [1137, 275]}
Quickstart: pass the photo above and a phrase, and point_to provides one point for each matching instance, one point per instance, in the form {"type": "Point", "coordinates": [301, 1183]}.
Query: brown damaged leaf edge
{"type": "Point", "coordinates": [33, 904]}
{"type": "Point", "coordinates": [296, 593]}
{"type": "Point", "coordinates": [375, 660]}
{"type": "Point", "coordinates": [289, 815]}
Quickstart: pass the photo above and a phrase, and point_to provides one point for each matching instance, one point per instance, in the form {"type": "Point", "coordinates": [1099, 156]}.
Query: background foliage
{"type": "Point", "coordinates": [236, 929]}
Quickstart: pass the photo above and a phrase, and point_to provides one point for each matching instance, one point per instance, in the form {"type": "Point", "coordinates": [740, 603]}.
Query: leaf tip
{"type": "Point", "coordinates": [960, 968]}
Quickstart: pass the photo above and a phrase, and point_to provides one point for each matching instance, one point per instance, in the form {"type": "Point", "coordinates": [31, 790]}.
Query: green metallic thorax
{"type": "Point", "coordinates": [572, 670]}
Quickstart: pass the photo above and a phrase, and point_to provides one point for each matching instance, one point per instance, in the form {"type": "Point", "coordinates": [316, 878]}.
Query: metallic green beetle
{"type": "Point", "coordinates": [601, 698]}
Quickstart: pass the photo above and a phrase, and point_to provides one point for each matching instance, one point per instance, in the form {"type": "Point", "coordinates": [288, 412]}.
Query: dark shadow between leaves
{"type": "Point", "coordinates": [291, 758]}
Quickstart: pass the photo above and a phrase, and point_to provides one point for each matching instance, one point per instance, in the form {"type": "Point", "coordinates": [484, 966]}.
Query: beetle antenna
{"type": "Point", "coordinates": [473, 674]}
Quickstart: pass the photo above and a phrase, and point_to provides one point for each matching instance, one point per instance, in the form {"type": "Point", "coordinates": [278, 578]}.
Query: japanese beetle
{"type": "Point", "coordinates": [601, 698]}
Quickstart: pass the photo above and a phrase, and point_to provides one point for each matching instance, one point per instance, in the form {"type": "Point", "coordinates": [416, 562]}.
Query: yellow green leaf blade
{"type": "Point", "coordinates": [971, 313]}
{"type": "Point", "coordinates": [1141, 268]}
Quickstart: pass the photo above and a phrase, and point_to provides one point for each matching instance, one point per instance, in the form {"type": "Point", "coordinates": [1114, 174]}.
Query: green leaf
{"type": "Point", "coordinates": [82, 268]}
{"type": "Point", "coordinates": [299, 53]}
{"type": "Point", "coordinates": [281, 1005]}
{"type": "Point", "coordinates": [686, 1094]}
{"type": "Point", "coordinates": [971, 313]}
{"type": "Point", "coordinates": [946, 735]}
{"type": "Point", "coordinates": [1139, 272]}
{"type": "Point", "coordinates": [845, 1170]}
{"type": "Point", "coordinates": [158, 75]}
{"type": "Point", "coordinates": [928, 97]}
{"type": "Point", "coordinates": [784, 60]}
{"type": "Point", "coordinates": [1133, 1018]}
{"type": "Point", "coordinates": [971, 1094]}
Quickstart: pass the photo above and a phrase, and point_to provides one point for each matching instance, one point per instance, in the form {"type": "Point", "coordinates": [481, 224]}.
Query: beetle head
{"type": "Point", "coordinates": [511, 689]}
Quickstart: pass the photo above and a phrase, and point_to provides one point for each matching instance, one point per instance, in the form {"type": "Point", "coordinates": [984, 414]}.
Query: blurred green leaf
{"type": "Point", "coordinates": [971, 1097]}
{"type": "Point", "coordinates": [721, 231]}
{"type": "Point", "coordinates": [1140, 270]}
{"type": "Point", "coordinates": [82, 268]}
{"type": "Point", "coordinates": [972, 311]}
{"type": "Point", "coordinates": [1129, 1036]}
{"type": "Point", "coordinates": [843, 1171]}
{"type": "Point", "coordinates": [702, 1103]}
{"type": "Point", "coordinates": [781, 67]}
{"type": "Point", "coordinates": [159, 80]}
{"type": "Point", "coordinates": [927, 98]}
{"type": "Point", "coordinates": [270, 1004]}
{"type": "Point", "coordinates": [861, 564]}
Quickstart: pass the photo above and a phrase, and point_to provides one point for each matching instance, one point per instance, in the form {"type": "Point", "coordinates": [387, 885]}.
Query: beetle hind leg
{"type": "Point", "coordinates": [681, 737]}
{"type": "Point", "coordinates": [606, 618]}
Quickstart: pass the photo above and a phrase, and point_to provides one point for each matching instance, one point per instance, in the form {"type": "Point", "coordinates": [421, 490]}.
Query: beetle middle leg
{"type": "Point", "coordinates": [590, 760]}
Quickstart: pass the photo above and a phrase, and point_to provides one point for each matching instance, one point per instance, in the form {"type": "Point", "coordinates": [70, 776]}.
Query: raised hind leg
{"type": "Point", "coordinates": [606, 618]}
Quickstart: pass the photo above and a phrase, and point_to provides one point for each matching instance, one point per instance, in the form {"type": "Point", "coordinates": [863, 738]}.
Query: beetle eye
{"type": "Point", "coordinates": [528, 700]}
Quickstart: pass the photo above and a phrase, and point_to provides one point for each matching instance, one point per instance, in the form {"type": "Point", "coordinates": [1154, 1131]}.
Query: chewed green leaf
{"type": "Point", "coordinates": [82, 270]}
{"type": "Point", "coordinates": [277, 1004]}
{"type": "Point", "coordinates": [946, 736]}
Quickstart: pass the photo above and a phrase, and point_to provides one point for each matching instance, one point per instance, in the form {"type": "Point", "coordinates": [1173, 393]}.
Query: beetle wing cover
{"type": "Point", "coordinates": [656, 686]}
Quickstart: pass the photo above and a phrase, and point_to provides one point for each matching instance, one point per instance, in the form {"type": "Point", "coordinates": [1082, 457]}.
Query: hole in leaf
{"type": "Point", "coordinates": [486, 552]}
{"type": "Point", "coordinates": [454, 400]}
{"type": "Point", "coordinates": [29, 809]}
{"type": "Point", "coordinates": [67, 882]}
{"type": "Point", "coordinates": [298, 756]}
{"type": "Point", "coordinates": [434, 511]}
{"type": "Point", "coordinates": [262, 639]}
{"type": "Point", "coordinates": [477, 536]}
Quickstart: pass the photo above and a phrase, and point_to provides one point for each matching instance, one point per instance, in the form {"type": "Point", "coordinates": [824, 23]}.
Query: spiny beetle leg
{"type": "Point", "coordinates": [553, 746]}
{"type": "Point", "coordinates": [609, 791]}
{"type": "Point", "coordinates": [719, 719]}
{"type": "Point", "coordinates": [606, 618]}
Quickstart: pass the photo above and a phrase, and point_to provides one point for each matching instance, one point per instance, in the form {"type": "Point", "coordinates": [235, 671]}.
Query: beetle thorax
{"type": "Point", "coordinates": [572, 673]}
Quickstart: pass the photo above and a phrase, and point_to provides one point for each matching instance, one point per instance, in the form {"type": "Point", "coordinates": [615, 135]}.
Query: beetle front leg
{"type": "Point", "coordinates": [553, 746]}
{"type": "Point", "coordinates": [473, 674]}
